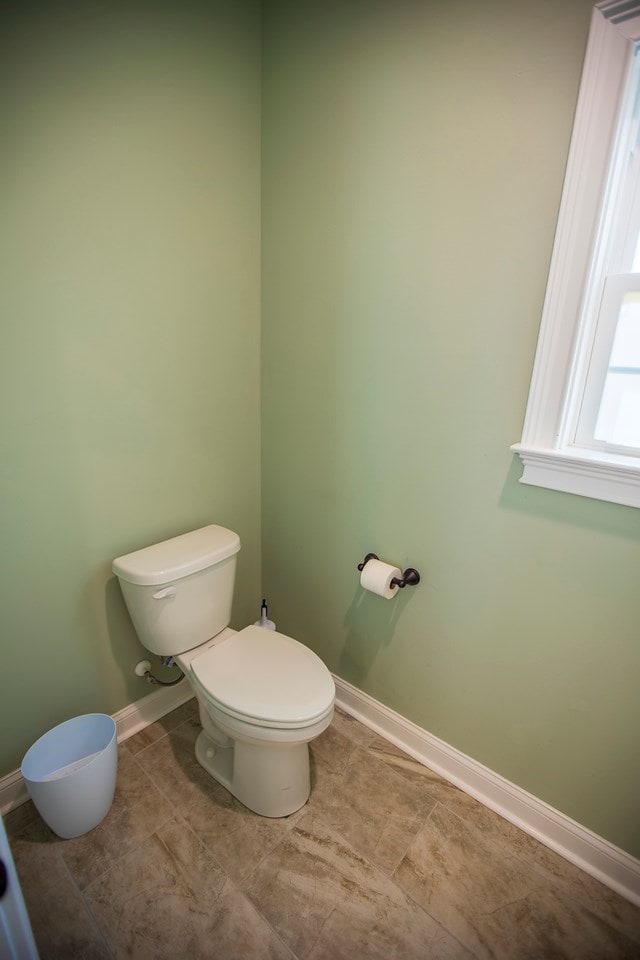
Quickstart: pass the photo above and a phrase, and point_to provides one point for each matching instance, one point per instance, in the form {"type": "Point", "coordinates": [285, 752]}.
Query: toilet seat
{"type": "Point", "coordinates": [266, 679]}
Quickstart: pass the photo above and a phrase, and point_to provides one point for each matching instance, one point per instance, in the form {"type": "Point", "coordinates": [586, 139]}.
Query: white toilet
{"type": "Point", "coordinates": [262, 695]}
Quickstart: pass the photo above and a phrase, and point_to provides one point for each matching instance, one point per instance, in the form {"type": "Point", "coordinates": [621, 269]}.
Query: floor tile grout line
{"type": "Point", "coordinates": [541, 884]}
{"type": "Point", "coordinates": [156, 744]}
{"type": "Point", "coordinates": [409, 896]}
{"type": "Point", "coordinates": [549, 883]}
{"type": "Point", "coordinates": [268, 854]}
{"type": "Point", "coordinates": [158, 722]}
{"type": "Point", "coordinates": [376, 870]}
{"type": "Point", "coordinates": [149, 776]}
{"type": "Point", "coordinates": [127, 852]}
{"type": "Point", "coordinates": [358, 748]}
{"type": "Point", "coordinates": [185, 823]}
{"type": "Point", "coordinates": [549, 880]}
{"type": "Point", "coordinates": [58, 853]}
{"type": "Point", "coordinates": [370, 863]}
{"type": "Point", "coordinates": [81, 894]}
{"type": "Point", "coordinates": [177, 812]}
{"type": "Point", "coordinates": [265, 920]}
{"type": "Point", "coordinates": [153, 743]}
{"type": "Point", "coordinates": [317, 939]}
{"type": "Point", "coordinates": [528, 861]}
{"type": "Point", "coordinates": [180, 815]}
{"type": "Point", "coordinates": [237, 885]}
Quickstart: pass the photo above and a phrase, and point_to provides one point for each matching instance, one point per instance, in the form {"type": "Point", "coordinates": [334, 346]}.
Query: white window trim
{"type": "Point", "coordinates": [549, 460]}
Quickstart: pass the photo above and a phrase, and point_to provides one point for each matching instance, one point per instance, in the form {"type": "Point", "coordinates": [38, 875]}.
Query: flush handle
{"type": "Point", "coordinates": [163, 594]}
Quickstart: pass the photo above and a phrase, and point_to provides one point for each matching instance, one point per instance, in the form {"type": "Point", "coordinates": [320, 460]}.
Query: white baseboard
{"type": "Point", "coordinates": [591, 853]}
{"type": "Point", "coordinates": [129, 720]}
{"type": "Point", "coordinates": [155, 705]}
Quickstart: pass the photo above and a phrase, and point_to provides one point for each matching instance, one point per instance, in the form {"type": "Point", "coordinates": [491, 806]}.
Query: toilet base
{"type": "Point", "coordinates": [272, 779]}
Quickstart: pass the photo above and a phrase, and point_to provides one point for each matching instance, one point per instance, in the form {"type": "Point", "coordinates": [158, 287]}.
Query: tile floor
{"type": "Point", "coordinates": [386, 861]}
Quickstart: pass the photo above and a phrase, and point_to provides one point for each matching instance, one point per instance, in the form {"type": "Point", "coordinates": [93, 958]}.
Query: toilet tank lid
{"type": "Point", "coordinates": [178, 557]}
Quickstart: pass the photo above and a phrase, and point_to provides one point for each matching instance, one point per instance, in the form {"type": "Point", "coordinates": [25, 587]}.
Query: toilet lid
{"type": "Point", "coordinates": [266, 676]}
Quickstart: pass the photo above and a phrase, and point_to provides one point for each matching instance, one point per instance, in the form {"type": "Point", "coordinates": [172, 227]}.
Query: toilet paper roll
{"type": "Point", "coordinates": [376, 577]}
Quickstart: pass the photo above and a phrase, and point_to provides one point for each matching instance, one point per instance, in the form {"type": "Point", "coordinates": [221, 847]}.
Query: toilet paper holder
{"type": "Point", "coordinates": [410, 577]}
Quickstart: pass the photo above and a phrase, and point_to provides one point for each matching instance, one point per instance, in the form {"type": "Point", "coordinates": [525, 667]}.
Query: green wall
{"type": "Point", "coordinates": [129, 298]}
{"type": "Point", "coordinates": [413, 157]}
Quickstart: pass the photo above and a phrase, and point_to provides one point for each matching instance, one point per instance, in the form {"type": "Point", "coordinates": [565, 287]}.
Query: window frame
{"type": "Point", "coordinates": [547, 449]}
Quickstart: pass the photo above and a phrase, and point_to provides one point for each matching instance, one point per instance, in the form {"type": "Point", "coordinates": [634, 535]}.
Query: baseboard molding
{"type": "Point", "coordinates": [155, 705]}
{"type": "Point", "coordinates": [588, 851]}
{"type": "Point", "coordinates": [129, 720]}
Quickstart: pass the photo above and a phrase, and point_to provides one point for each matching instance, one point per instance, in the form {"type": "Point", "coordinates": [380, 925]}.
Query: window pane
{"type": "Point", "coordinates": [619, 414]}
{"type": "Point", "coordinates": [625, 351]}
{"type": "Point", "coordinates": [631, 195]}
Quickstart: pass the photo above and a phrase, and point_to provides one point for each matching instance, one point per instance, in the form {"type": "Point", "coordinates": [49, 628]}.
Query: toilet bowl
{"type": "Point", "coordinates": [262, 695]}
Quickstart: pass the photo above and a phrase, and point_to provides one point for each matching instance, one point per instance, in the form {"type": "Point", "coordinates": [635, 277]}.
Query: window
{"type": "Point", "coordinates": [582, 426]}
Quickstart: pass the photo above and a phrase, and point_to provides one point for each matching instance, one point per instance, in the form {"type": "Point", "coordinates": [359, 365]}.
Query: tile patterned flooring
{"type": "Point", "coordinates": [386, 861]}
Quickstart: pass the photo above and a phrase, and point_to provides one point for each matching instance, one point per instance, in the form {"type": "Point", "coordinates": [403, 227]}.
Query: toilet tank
{"type": "Point", "coordinates": [179, 592]}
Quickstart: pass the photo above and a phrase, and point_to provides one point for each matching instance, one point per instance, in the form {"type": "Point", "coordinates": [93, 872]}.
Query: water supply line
{"type": "Point", "coordinates": [143, 669]}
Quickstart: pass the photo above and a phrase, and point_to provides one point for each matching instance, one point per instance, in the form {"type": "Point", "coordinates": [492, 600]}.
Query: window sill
{"type": "Point", "coordinates": [588, 473]}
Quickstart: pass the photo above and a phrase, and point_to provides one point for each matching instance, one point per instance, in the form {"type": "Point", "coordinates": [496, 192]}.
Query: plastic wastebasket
{"type": "Point", "coordinates": [70, 773]}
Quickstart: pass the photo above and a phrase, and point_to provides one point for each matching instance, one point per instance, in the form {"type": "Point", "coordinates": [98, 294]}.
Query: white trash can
{"type": "Point", "coordinates": [70, 773]}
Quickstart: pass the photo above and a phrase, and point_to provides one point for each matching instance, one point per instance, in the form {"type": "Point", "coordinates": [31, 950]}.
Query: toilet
{"type": "Point", "coordinates": [262, 695]}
